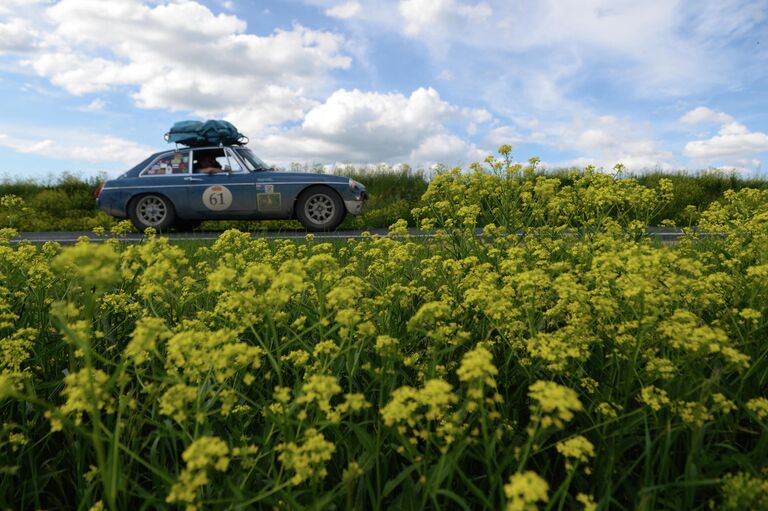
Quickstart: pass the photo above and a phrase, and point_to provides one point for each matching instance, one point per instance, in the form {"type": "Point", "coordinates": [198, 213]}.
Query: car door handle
{"type": "Point", "coordinates": [192, 179]}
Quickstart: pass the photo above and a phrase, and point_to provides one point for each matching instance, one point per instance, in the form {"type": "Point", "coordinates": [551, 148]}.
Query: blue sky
{"type": "Point", "coordinates": [89, 86]}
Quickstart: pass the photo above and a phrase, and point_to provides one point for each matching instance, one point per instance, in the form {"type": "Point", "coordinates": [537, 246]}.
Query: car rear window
{"type": "Point", "coordinates": [171, 163]}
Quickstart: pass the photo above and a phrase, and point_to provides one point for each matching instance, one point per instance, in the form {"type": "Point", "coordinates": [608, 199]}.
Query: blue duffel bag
{"type": "Point", "coordinates": [198, 133]}
{"type": "Point", "coordinates": [186, 132]}
{"type": "Point", "coordinates": [221, 132]}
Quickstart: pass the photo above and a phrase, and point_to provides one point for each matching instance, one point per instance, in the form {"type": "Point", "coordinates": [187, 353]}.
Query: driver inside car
{"type": "Point", "coordinates": [207, 164]}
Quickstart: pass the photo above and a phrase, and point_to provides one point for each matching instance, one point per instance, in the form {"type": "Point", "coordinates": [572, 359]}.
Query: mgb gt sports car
{"type": "Point", "coordinates": [182, 187]}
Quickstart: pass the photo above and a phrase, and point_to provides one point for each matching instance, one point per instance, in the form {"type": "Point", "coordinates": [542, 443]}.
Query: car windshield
{"type": "Point", "coordinates": [252, 161]}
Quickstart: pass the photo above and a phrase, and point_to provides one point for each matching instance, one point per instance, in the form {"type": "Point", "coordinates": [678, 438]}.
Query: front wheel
{"type": "Point", "coordinates": [320, 209]}
{"type": "Point", "coordinates": [151, 211]}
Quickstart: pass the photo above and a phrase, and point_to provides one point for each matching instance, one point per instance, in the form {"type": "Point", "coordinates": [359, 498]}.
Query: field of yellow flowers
{"type": "Point", "coordinates": [579, 366]}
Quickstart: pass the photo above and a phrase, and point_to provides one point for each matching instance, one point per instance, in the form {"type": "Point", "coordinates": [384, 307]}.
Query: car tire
{"type": "Point", "coordinates": [320, 208]}
{"type": "Point", "coordinates": [151, 210]}
{"type": "Point", "coordinates": [184, 225]}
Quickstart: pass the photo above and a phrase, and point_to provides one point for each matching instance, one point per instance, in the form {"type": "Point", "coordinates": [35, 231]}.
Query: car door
{"type": "Point", "coordinates": [274, 195]}
{"type": "Point", "coordinates": [230, 193]}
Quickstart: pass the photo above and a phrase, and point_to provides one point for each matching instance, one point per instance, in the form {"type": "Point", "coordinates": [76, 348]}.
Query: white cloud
{"type": "Point", "coordinates": [95, 106]}
{"type": "Point", "coordinates": [650, 49]}
{"type": "Point", "coordinates": [733, 140]}
{"type": "Point", "coordinates": [744, 166]}
{"type": "Point", "coordinates": [15, 6]}
{"type": "Point", "coordinates": [440, 16]}
{"type": "Point", "coordinates": [202, 63]}
{"type": "Point", "coordinates": [368, 126]}
{"type": "Point", "coordinates": [99, 148]}
{"type": "Point", "coordinates": [448, 150]}
{"type": "Point", "coordinates": [502, 135]}
{"type": "Point", "coordinates": [344, 11]}
{"type": "Point", "coordinates": [602, 141]}
{"type": "Point", "coordinates": [17, 35]}
{"type": "Point", "coordinates": [703, 114]}
{"type": "Point", "coordinates": [609, 140]}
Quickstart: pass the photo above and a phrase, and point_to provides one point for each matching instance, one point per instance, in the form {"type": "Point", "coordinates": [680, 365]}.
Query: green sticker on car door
{"type": "Point", "coordinates": [269, 201]}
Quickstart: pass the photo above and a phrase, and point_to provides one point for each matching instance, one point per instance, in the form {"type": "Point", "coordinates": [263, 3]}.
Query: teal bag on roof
{"type": "Point", "coordinates": [220, 132]}
{"type": "Point", "coordinates": [186, 132]}
{"type": "Point", "coordinates": [212, 132]}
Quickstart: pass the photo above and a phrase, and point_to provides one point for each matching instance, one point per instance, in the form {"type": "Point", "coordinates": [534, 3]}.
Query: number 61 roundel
{"type": "Point", "coordinates": [217, 198]}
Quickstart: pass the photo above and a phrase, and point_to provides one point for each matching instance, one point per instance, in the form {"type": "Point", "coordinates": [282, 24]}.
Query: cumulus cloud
{"type": "Point", "coordinates": [273, 86]}
{"type": "Point", "coordinates": [17, 36]}
{"type": "Point", "coordinates": [651, 48]}
{"type": "Point", "coordinates": [733, 140]}
{"type": "Point", "coordinates": [99, 148]}
{"type": "Point", "coordinates": [610, 140]}
{"type": "Point", "coordinates": [362, 126]}
{"type": "Point", "coordinates": [200, 62]}
{"type": "Point", "coordinates": [9, 7]}
{"type": "Point", "coordinates": [602, 141]}
{"type": "Point", "coordinates": [344, 11]}
{"type": "Point", "coordinates": [440, 16]}
{"type": "Point", "coordinates": [703, 114]}
{"type": "Point", "coordinates": [448, 150]}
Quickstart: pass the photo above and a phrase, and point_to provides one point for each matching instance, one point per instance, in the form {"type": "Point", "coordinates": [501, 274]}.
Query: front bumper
{"type": "Point", "coordinates": [356, 205]}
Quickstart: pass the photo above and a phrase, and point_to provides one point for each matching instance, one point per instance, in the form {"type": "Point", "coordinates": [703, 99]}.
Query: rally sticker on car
{"type": "Point", "coordinates": [269, 201]}
{"type": "Point", "coordinates": [217, 198]}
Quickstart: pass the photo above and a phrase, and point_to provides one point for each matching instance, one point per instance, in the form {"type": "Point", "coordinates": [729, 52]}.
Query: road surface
{"type": "Point", "coordinates": [666, 234]}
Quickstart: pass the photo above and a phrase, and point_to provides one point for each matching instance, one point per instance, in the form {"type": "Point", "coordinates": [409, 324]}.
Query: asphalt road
{"type": "Point", "coordinates": [667, 234]}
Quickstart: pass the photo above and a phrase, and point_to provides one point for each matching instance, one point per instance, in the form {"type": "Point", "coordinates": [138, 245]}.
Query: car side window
{"type": "Point", "coordinates": [176, 162]}
{"type": "Point", "coordinates": [230, 161]}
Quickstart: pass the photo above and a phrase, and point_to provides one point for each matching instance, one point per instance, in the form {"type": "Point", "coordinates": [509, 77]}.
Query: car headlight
{"type": "Point", "coordinates": [353, 184]}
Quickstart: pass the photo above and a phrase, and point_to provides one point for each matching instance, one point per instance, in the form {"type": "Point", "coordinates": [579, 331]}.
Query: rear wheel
{"type": "Point", "coordinates": [320, 208]}
{"type": "Point", "coordinates": [151, 211]}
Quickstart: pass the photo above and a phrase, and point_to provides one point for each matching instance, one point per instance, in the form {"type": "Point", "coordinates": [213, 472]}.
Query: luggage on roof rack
{"type": "Point", "coordinates": [198, 133]}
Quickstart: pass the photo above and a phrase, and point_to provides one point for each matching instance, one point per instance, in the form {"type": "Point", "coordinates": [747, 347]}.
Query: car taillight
{"type": "Point", "coordinates": [99, 189]}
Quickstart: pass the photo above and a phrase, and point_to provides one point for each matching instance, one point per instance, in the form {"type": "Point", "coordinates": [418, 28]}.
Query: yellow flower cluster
{"type": "Point", "coordinates": [525, 490]}
{"type": "Point", "coordinates": [86, 391]}
{"type": "Point", "coordinates": [654, 397]}
{"type": "Point", "coordinates": [390, 356]}
{"type": "Point", "coordinates": [147, 332]}
{"type": "Point", "coordinates": [204, 453]}
{"type": "Point", "coordinates": [555, 404]}
{"type": "Point", "coordinates": [307, 460]}
{"type": "Point", "coordinates": [576, 448]}
{"type": "Point", "coordinates": [92, 265]}
{"type": "Point", "coordinates": [477, 366]}
{"type": "Point", "coordinates": [176, 399]}
{"type": "Point", "coordinates": [423, 412]}
{"type": "Point", "coordinates": [744, 491]}
{"type": "Point", "coordinates": [196, 354]}
{"type": "Point", "coordinates": [758, 406]}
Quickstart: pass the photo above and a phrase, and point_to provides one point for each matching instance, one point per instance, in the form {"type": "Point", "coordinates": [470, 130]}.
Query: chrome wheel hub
{"type": "Point", "coordinates": [151, 211]}
{"type": "Point", "coordinates": [319, 208]}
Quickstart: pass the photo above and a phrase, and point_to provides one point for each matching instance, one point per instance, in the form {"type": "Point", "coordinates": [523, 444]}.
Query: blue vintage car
{"type": "Point", "coordinates": [182, 187]}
